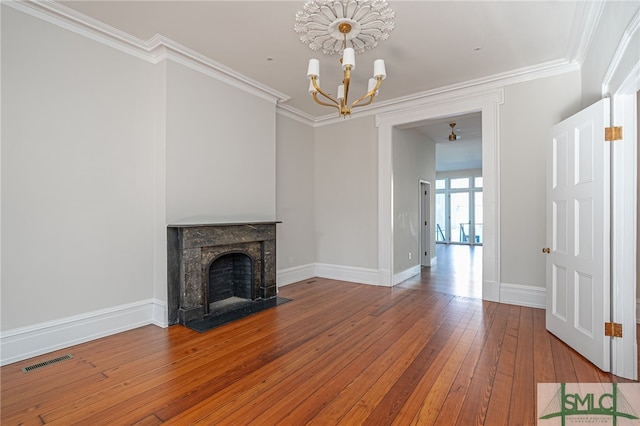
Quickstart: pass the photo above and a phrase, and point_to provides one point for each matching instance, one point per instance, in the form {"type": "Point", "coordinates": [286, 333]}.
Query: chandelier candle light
{"type": "Point", "coordinates": [330, 25]}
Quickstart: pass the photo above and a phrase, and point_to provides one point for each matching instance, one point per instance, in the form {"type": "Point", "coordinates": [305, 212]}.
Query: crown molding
{"type": "Point", "coordinates": [156, 49]}
{"type": "Point", "coordinates": [588, 22]}
{"type": "Point", "coordinates": [496, 81]}
{"type": "Point", "coordinates": [296, 114]}
{"type": "Point", "coordinates": [64, 17]}
{"type": "Point", "coordinates": [632, 31]}
{"type": "Point", "coordinates": [160, 48]}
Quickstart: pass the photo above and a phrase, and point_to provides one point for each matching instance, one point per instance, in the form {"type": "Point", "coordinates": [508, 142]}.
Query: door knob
{"type": "Point", "coordinates": [546, 250]}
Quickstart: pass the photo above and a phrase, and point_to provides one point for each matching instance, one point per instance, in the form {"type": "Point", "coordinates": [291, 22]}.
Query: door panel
{"type": "Point", "coordinates": [578, 265]}
{"type": "Point", "coordinates": [425, 220]}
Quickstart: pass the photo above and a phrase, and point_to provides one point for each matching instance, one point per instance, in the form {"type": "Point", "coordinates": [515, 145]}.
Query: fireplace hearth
{"type": "Point", "coordinates": [220, 270]}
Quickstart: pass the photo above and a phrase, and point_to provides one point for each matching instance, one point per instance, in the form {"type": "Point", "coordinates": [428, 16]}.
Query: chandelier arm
{"type": "Point", "coordinates": [371, 94]}
{"type": "Point", "coordinates": [319, 90]}
{"type": "Point", "coordinates": [319, 102]}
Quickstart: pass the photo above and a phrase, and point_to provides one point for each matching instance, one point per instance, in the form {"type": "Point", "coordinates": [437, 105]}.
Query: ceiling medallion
{"type": "Point", "coordinates": [320, 22]}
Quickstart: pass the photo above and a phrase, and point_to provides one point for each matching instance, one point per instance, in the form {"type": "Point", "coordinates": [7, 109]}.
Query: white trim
{"type": "Point", "coordinates": [490, 83]}
{"type": "Point", "coordinates": [491, 291]}
{"type": "Point", "coordinates": [154, 50]}
{"type": "Point", "coordinates": [71, 20]}
{"type": "Point", "coordinates": [323, 270]}
{"type": "Point", "coordinates": [580, 42]}
{"type": "Point", "coordinates": [160, 47]}
{"type": "Point", "coordinates": [295, 274]}
{"type": "Point", "coordinates": [159, 315]}
{"type": "Point", "coordinates": [295, 114]}
{"type": "Point", "coordinates": [347, 273]}
{"type": "Point", "coordinates": [616, 67]}
{"type": "Point", "coordinates": [523, 295]}
{"type": "Point", "coordinates": [26, 342]}
{"type": "Point", "coordinates": [487, 102]}
{"type": "Point", "coordinates": [623, 229]}
{"type": "Point", "coordinates": [201, 64]}
{"type": "Point", "coordinates": [406, 274]}
{"type": "Point", "coordinates": [622, 81]}
{"type": "Point", "coordinates": [434, 261]}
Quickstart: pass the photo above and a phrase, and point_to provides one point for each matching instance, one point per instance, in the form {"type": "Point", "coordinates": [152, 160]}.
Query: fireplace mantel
{"type": "Point", "coordinates": [191, 248]}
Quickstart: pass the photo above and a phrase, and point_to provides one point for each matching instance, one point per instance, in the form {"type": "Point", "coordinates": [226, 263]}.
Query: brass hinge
{"type": "Point", "coordinates": [613, 133]}
{"type": "Point", "coordinates": [612, 329]}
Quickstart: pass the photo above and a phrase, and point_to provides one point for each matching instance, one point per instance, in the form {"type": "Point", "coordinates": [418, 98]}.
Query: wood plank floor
{"type": "Point", "coordinates": [338, 353]}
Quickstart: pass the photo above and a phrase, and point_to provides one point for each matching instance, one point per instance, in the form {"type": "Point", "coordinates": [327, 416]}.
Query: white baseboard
{"type": "Point", "coordinates": [324, 270]}
{"type": "Point", "coordinates": [295, 274]}
{"type": "Point", "coordinates": [26, 342]}
{"type": "Point", "coordinates": [434, 261]}
{"type": "Point", "coordinates": [406, 274]}
{"type": "Point", "coordinates": [491, 291]}
{"type": "Point", "coordinates": [348, 273]}
{"type": "Point", "coordinates": [523, 295]}
{"type": "Point", "coordinates": [160, 314]}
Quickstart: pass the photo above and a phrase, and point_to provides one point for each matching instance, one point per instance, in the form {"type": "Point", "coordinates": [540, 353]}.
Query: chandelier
{"type": "Point", "coordinates": [333, 25]}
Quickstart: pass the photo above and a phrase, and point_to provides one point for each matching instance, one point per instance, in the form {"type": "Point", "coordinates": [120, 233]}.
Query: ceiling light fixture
{"type": "Point", "coordinates": [330, 25]}
{"type": "Point", "coordinates": [452, 136]}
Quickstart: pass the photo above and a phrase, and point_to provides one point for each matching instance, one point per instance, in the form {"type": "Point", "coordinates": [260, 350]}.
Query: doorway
{"type": "Point", "coordinates": [487, 104]}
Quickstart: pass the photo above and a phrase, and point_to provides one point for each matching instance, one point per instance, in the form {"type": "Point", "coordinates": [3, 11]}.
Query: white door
{"type": "Point", "coordinates": [578, 232]}
{"type": "Point", "coordinates": [425, 217]}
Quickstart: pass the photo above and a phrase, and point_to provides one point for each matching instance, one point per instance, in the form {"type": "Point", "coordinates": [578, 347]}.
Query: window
{"type": "Point", "coordinates": [459, 183]}
{"type": "Point", "coordinates": [459, 210]}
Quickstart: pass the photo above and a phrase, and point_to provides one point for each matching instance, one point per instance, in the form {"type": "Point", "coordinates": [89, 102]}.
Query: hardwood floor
{"type": "Point", "coordinates": [458, 271]}
{"type": "Point", "coordinates": [338, 353]}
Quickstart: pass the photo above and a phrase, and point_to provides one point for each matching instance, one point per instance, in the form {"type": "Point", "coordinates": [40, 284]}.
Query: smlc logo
{"type": "Point", "coordinates": [588, 403]}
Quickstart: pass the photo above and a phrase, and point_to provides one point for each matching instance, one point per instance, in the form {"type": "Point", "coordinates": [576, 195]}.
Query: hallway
{"type": "Point", "coordinates": [458, 272]}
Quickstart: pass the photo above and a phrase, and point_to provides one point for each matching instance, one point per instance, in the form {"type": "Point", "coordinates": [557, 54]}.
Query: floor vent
{"type": "Point", "coordinates": [45, 363]}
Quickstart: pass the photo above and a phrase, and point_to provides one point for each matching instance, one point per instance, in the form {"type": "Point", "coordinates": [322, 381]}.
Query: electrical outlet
{"type": "Point", "coordinates": [409, 255]}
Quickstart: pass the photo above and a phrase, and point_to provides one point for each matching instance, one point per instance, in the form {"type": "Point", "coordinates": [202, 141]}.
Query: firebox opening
{"type": "Point", "coordinates": [230, 283]}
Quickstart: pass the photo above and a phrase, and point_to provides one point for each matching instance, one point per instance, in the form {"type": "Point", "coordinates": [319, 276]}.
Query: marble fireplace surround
{"type": "Point", "coordinates": [191, 249]}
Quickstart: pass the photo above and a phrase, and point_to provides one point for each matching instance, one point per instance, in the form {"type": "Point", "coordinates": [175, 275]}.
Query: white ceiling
{"type": "Point", "coordinates": [434, 44]}
{"type": "Point", "coordinates": [462, 154]}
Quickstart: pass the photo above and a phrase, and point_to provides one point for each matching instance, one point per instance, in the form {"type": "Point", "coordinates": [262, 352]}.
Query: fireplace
{"type": "Point", "coordinates": [216, 268]}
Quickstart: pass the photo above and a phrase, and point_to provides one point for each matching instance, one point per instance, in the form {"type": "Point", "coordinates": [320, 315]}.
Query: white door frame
{"type": "Point", "coordinates": [622, 82]}
{"type": "Point", "coordinates": [461, 102]}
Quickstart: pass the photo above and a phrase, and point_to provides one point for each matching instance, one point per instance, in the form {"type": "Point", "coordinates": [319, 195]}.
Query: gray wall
{"type": "Point", "coordinates": [219, 169]}
{"type": "Point", "coordinates": [530, 109]}
{"type": "Point", "coordinates": [77, 174]}
{"type": "Point", "coordinates": [295, 203]}
{"type": "Point", "coordinates": [346, 200]}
